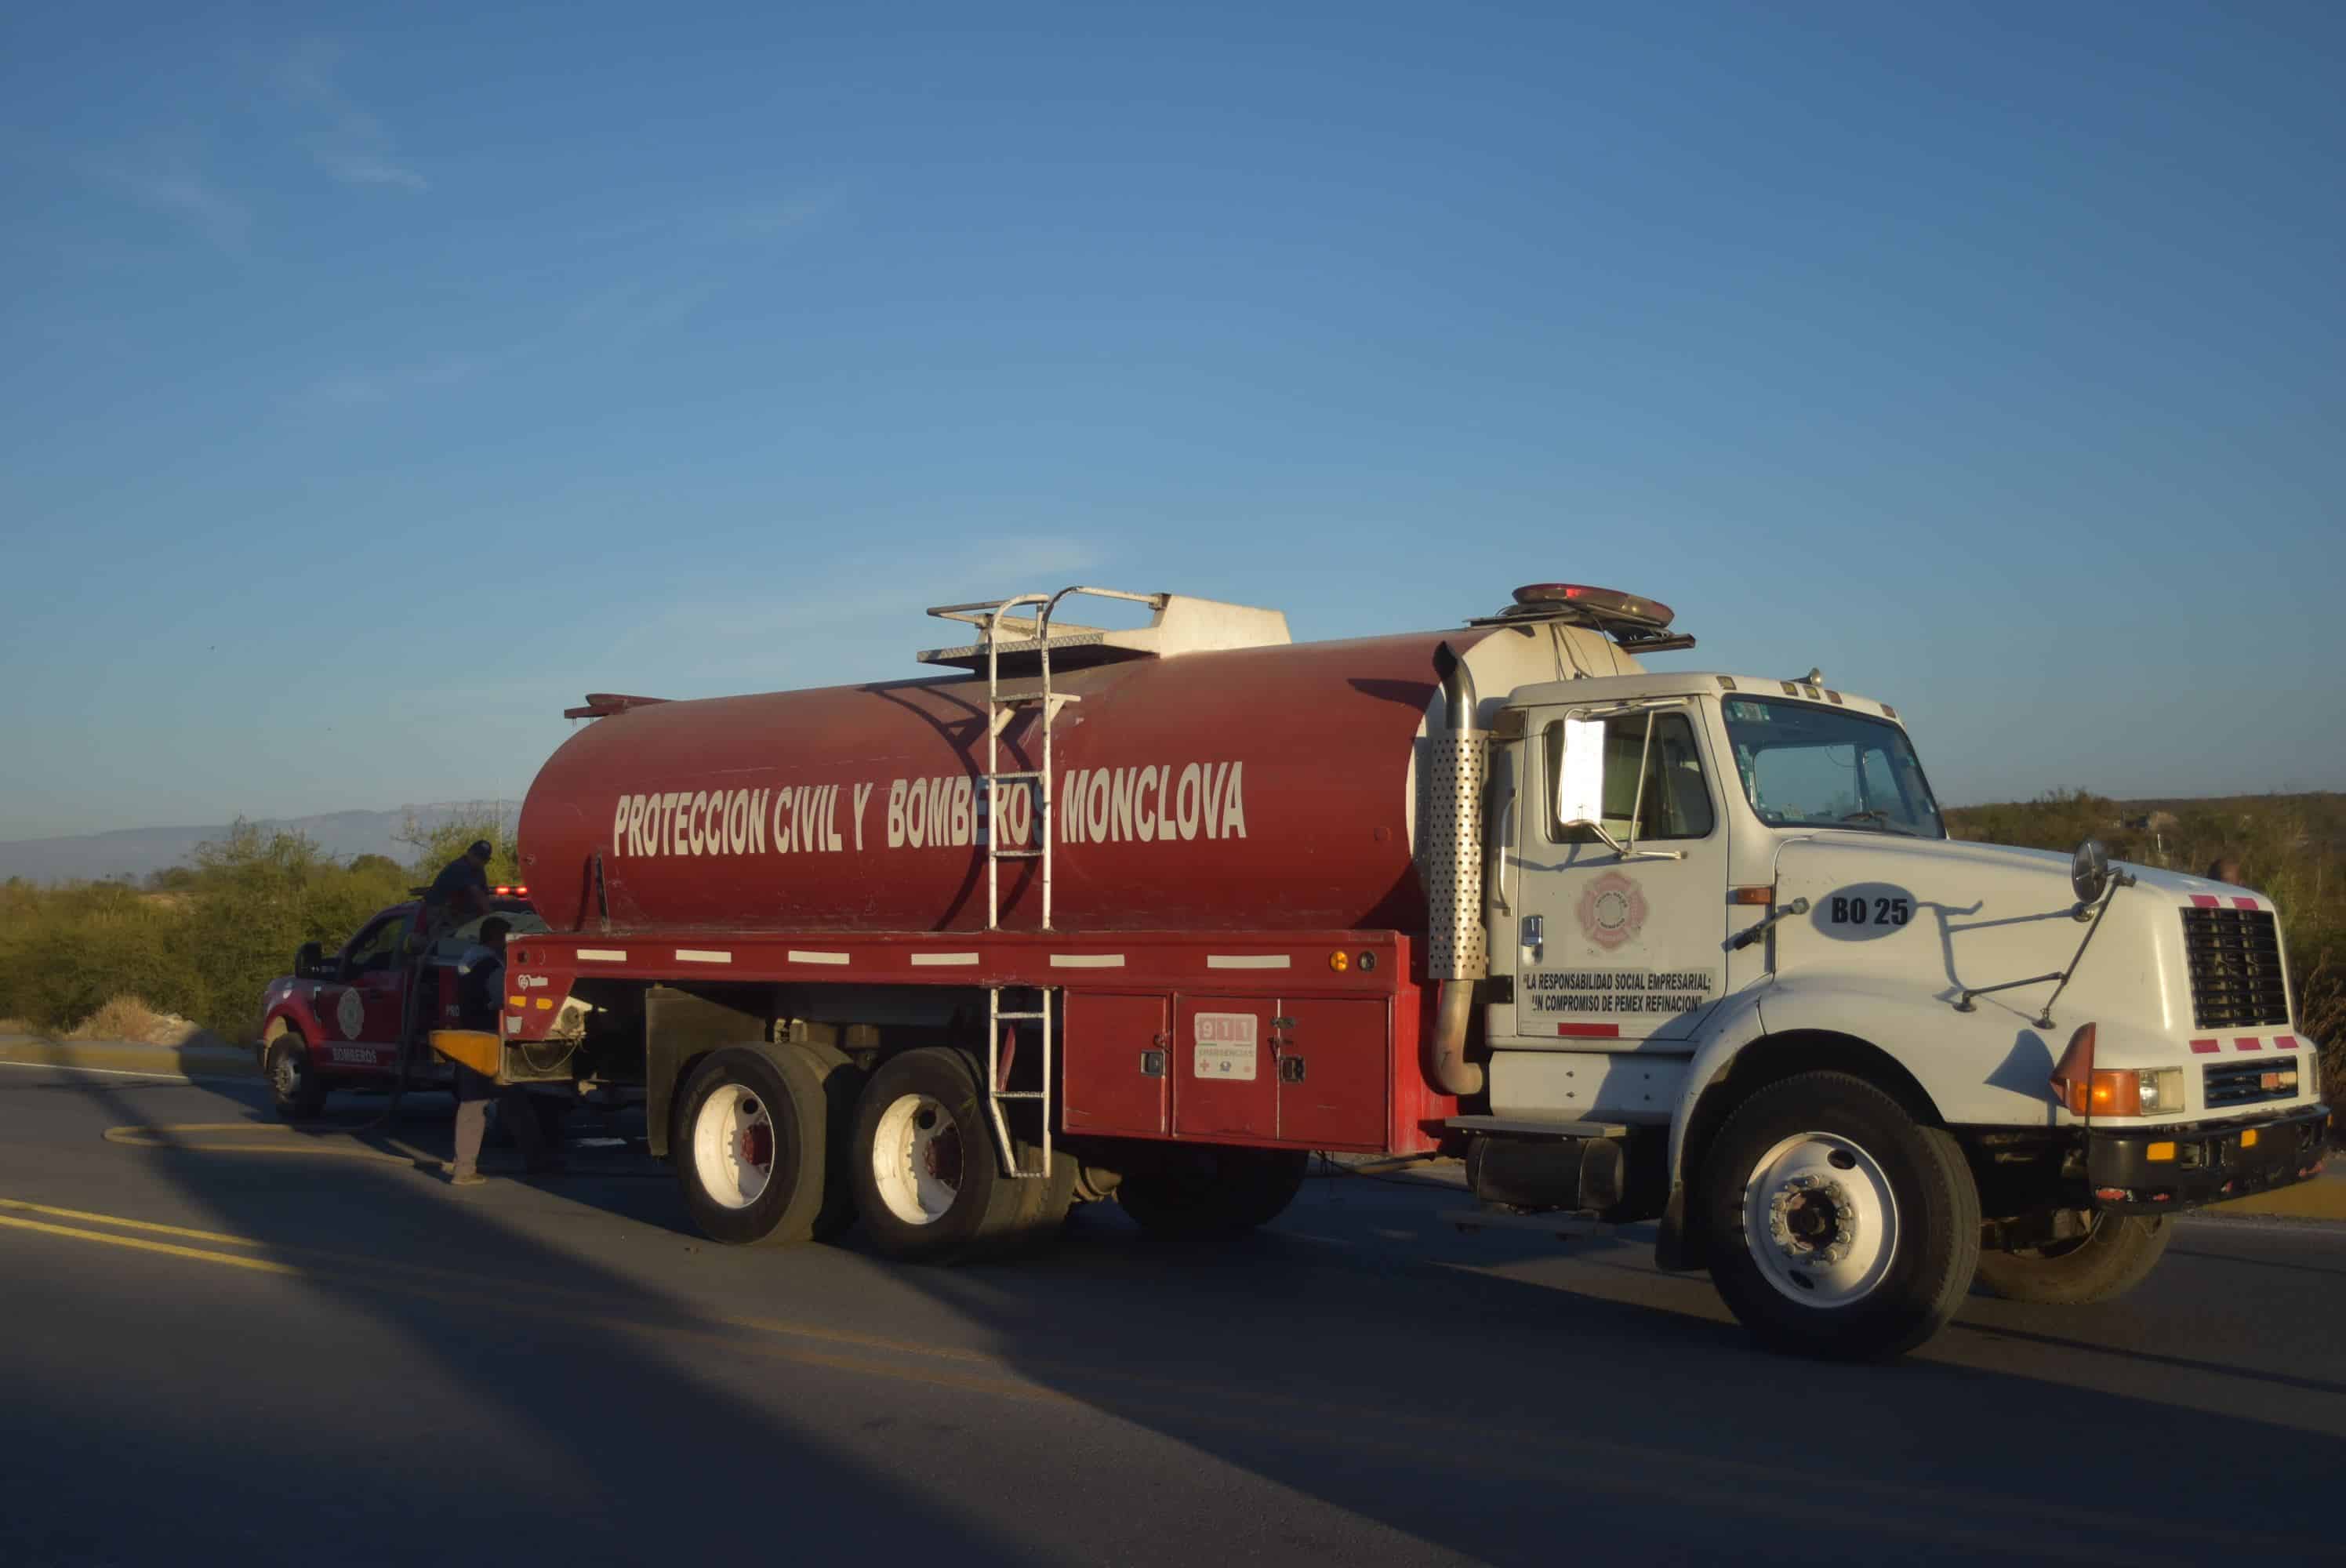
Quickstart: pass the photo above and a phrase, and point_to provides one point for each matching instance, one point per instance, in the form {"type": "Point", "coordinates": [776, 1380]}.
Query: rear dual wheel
{"type": "Point", "coordinates": [750, 1146]}
{"type": "Point", "coordinates": [929, 1184]}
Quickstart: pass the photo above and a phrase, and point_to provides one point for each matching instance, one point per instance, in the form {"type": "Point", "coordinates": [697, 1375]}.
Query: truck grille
{"type": "Point", "coordinates": [2245, 1083]}
{"type": "Point", "coordinates": [2235, 960]}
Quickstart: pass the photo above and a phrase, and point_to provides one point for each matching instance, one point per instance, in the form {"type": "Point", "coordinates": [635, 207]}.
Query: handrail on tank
{"type": "Point", "coordinates": [1050, 604]}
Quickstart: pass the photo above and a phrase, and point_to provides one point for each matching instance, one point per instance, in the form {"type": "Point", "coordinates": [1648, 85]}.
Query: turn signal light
{"type": "Point", "coordinates": [2249, 1138]}
{"type": "Point", "coordinates": [1761, 896]}
{"type": "Point", "coordinates": [2072, 1079]}
{"type": "Point", "coordinates": [1340, 961]}
{"type": "Point", "coordinates": [2159, 1151]}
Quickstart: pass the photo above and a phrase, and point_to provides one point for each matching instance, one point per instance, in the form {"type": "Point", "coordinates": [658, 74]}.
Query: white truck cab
{"type": "Point", "coordinates": [1850, 1062]}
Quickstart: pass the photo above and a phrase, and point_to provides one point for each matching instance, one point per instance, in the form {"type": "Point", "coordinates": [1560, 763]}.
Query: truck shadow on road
{"type": "Point", "coordinates": [567, 1367]}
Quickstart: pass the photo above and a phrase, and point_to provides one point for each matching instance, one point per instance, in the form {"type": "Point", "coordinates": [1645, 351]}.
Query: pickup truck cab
{"type": "Point", "coordinates": [337, 1021]}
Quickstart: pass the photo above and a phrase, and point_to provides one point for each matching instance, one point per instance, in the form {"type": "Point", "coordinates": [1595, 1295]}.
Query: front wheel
{"type": "Point", "coordinates": [1840, 1225]}
{"type": "Point", "coordinates": [2114, 1255]}
{"type": "Point", "coordinates": [295, 1088]}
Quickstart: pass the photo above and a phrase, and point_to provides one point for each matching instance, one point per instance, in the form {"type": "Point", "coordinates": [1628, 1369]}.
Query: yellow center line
{"type": "Point", "coordinates": [258, 1264]}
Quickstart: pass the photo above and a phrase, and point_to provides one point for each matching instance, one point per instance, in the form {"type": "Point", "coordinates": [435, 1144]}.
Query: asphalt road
{"type": "Point", "coordinates": [257, 1356]}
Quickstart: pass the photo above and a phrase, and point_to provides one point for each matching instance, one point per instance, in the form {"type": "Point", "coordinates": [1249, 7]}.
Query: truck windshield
{"type": "Point", "coordinates": [1806, 766]}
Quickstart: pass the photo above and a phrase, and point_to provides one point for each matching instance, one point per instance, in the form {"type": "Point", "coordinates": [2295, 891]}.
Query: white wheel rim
{"type": "Point", "coordinates": [288, 1073]}
{"type": "Point", "coordinates": [1820, 1218]}
{"type": "Point", "coordinates": [917, 1158]}
{"type": "Point", "coordinates": [733, 1147]}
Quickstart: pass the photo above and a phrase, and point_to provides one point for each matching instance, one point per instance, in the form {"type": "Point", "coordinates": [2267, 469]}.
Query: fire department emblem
{"type": "Point", "coordinates": [350, 1012]}
{"type": "Point", "coordinates": [1612, 910]}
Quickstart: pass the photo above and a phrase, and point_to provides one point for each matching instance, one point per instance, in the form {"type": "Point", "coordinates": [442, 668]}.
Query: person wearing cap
{"type": "Point", "coordinates": [480, 998]}
{"type": "Point", "coordinates": [461, 890]}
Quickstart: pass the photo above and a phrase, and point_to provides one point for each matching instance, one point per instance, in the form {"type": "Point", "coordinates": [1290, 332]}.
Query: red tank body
{"type": "Point", "coordinates": [1256, 788]}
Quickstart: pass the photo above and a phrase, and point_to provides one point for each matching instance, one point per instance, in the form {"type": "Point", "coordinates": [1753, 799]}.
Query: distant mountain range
{"type": "Point", "coordinates": [134, 851]}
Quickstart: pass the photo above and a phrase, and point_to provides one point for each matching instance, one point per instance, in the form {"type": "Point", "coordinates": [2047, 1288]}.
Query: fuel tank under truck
{"type": "Point", "coordinates": [1259, 787]}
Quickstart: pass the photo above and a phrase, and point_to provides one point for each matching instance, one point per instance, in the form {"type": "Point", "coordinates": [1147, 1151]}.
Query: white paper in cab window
{"type": "Point", "coordinates": [1580, 779]}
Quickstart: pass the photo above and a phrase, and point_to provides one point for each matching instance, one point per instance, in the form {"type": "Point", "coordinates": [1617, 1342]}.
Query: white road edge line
{"type": "Point", "coordinates": [127, 1072]}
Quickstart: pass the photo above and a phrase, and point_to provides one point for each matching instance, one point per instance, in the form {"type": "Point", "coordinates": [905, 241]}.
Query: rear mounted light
{"type": "Point", "coordinates": [1762, 897]}
{"type": "Point", "coordinates": [1340, 961]}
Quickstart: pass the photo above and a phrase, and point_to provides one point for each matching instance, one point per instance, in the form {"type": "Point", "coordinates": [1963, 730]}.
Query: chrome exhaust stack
{"type": "Point", "coordinates": [1457, 951]}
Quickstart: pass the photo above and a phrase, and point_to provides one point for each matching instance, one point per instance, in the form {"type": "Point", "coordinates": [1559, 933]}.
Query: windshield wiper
{"type": "Point", "coordinates": [1883, 818]}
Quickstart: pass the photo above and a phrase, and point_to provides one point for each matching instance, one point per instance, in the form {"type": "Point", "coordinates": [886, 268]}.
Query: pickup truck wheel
{"type": "Point", "coordinates": [750, 1154]}
{"type": "Point", "coordinates": [1841, 1226]}
{"type": "Point", "coordinates": [929, 1186]}
{"type": "Point", "coordinates": [1238, 1190]}
{"type": "Point", "coordinates": [2114, 1255]}
{"type": "Point", "coordinates": [298, 1093]}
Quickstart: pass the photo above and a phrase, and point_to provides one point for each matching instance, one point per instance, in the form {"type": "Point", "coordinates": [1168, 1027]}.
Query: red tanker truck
{"type": "Point", "coordinates": [1150, 913]}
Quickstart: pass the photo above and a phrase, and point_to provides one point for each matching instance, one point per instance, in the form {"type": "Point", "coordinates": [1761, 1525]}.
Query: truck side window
{"type": "Point", "coordinates": [376, 948]}
{"type": "Point", "coordinates": [1677, 803]}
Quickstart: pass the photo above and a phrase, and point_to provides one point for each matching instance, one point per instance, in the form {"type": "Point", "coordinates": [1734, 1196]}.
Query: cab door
{"type": "Point", "coordinates": [362, 1009]}
{"type": "Point", "coordinates": [1622, 941]}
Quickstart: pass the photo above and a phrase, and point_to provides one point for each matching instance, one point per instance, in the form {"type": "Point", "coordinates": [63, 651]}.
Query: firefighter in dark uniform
{"type": "Point", "coordinates": [461, 890]}
{"type": "Point", "coordinates": [480, 997]}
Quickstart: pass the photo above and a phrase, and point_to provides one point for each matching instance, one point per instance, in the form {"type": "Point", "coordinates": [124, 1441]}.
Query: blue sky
{"type": "Point", "coordinates": [377, 381]}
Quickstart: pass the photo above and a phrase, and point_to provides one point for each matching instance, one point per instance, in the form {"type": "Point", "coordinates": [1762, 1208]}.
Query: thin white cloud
{"type": "Point", "coordinates": [169, 183]}
{"type": "Point", "coordinates": [361, 389]}
{"type": "Point", "coordinates": [351, 144]}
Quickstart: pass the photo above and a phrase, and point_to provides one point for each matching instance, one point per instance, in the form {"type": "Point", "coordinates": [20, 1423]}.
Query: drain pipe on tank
{"type": "Point", "coordinates": [1456, 952]}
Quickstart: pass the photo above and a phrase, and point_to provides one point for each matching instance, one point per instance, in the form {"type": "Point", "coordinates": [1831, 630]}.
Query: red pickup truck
{"type": "Point", "coordinates": [335, 1022]}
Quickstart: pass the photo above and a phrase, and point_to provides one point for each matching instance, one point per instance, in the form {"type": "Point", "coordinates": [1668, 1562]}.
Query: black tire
{"type": "Point", "coordinates": [1226, 1191]}
{"type": "Point", "coordinates": [297, 1091]}
{"type": "Point", "coordinates": [929, 1186]}
{"type": "Point", "coordinates": [1910, 1259]}
{"type": "Point", "coordinates": [2110, 1259]}
{"type": "Point", "coordinates": [842, 1093]}
{"type": "Point", "coordinates": [1043, 1203]}
{"type": "Point", "coordinates": [750, 1149]}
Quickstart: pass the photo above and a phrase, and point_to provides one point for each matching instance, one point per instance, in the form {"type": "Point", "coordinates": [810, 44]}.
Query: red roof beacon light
{"type": "Point", "coordinates": [1607, 602]}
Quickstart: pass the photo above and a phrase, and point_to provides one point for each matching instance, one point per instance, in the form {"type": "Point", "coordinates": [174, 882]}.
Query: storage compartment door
{"type": "Point", "coordinates": [1226, 1083]}
{"type": "Point", "coordinates": [1115, 1064]}
{"type": "Point", "coordinates": [1331, 1059]}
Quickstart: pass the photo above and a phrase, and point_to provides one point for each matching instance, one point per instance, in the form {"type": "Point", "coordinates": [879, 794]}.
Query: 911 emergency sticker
{"type": "Point", "coordinates": [1225, 1046]}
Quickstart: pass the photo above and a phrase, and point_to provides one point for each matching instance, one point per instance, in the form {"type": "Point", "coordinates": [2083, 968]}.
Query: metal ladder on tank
{"type": "Point", "coordinates": [1000, 707]}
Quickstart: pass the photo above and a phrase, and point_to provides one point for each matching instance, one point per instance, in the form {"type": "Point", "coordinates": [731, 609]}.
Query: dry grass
{"type": "Point", "coordinates": [18, 1026]}
{"type": "Point", "coordinates": [131, 1019]}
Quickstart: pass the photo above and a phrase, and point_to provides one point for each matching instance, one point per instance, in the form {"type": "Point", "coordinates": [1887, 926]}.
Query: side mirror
{"type": "Point", "coordinates": [2089, 870]}
{"type": "Point", "coordinates": [310, 961]}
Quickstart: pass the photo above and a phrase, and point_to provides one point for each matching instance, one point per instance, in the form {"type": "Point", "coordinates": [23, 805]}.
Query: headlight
{"type": "Point", "coordinates": [2137, 1091]}
{"type": "Point", "coordinates": [2162, 1090]}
